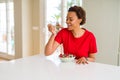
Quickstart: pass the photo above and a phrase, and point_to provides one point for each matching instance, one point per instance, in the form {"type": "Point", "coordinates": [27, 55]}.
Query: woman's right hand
{"type": "Point", "coordinates": [51, 28]}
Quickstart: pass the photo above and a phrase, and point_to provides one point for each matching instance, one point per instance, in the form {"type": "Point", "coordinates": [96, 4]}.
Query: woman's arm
{"type": "Point", "coordinates": [83, 60]}
{"type": "Point", "coordinates": [91, 57]}
{"type": "Point", "coordinates": [52, 45]}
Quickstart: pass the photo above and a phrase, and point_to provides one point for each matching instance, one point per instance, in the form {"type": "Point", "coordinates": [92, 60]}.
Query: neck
{"type": "Point", "coordinates": [78, 32]}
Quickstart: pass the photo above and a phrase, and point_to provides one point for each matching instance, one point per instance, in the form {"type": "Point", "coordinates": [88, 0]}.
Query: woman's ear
{"type": "Point", "coordinates": [80, 20]}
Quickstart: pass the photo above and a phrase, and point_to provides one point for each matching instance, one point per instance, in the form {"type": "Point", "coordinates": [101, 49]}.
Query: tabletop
{"type": "Point", "coordinates": [40, 67]}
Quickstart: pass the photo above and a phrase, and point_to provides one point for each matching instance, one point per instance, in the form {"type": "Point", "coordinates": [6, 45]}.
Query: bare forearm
{"type": "Point", "coordinates": [91, 59]}
{"type": "Point", "coordinates": [49, 45]}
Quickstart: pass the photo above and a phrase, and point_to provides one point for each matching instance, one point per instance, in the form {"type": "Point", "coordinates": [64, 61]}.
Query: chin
{"type": "Point", "coordinates": [69, 28]}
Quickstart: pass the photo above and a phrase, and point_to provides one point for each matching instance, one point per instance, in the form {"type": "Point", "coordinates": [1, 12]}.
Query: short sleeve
{"type": "Point", "coordinates": [58, 37]}
{"type": "Point", "coordinates": [93, 45]}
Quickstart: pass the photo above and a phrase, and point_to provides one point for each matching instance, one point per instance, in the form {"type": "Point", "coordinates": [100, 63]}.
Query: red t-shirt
{"type": "Point", "coordinates": [80, 47]}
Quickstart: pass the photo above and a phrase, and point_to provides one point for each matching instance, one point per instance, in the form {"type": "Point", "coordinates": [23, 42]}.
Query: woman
{"type": "Point", "coordinates": [75, 39]}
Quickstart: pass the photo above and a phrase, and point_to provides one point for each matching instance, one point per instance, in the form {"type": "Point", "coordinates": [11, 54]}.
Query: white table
{"type": "Point", "coordinates": [41, 68]}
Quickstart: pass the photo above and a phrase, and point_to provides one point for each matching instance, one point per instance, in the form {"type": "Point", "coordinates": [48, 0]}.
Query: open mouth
{"type": "Point", "coordinates": [69, 25]}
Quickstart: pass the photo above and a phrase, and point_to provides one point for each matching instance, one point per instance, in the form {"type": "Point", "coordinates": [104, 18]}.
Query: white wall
{"type": "Point", "coordinates": [36, 26]}
{"type": "Point", "coordinates": [102, 20]}
{"type": "Point", "coordinates": [27, 27]}
{"type": "Point", "coordinates": [23, 28]}
{"type": "Point", "coordinates": [42, 18]}
{"type": "Point", "coordinates": [119, 33]}
{"type": "Point", "coordinates": [18, 28]}
{"type": "Point", "coordinates": [29, 21]}
{"type": "Point", "coordinates": [39, 18]}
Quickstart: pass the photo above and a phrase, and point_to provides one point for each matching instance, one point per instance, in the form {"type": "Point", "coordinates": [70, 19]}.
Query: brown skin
{"type": "Point", "coordinates": [73, 24]}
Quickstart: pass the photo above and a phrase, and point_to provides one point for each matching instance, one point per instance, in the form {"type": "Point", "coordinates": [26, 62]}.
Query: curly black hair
{"type": "Point", "coordinates": [80, 12]}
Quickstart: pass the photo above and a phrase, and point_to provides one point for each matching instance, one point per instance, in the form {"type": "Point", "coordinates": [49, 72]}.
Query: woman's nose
{"type": "Point", "coordinates": [67, 21]}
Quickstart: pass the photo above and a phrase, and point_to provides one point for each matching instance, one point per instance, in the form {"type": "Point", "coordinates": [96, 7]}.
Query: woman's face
{"type": "Point", "coordinates": [72, 21]}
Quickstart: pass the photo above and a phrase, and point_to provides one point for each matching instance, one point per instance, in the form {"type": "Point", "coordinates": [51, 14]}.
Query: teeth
{"type": "Point", "coordinates": [69, 25]}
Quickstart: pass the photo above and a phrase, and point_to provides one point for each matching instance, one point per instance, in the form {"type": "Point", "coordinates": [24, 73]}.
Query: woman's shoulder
{"type": "Point", "coordinates": [64, 30]}
{"type": "Point", "coordinates": [88, 32]}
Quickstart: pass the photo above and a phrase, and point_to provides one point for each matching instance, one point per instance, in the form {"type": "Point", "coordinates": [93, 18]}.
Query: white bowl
{"type": "Point", "coordinates": [67, 59]}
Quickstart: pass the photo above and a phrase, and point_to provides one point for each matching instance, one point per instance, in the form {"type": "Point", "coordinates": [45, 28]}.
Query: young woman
{"type": "Point", "coordinates": [76, 40]}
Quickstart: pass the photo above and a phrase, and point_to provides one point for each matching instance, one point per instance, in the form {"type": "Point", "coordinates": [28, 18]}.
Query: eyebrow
{"type": "Point", "coordinates": [69, 17]}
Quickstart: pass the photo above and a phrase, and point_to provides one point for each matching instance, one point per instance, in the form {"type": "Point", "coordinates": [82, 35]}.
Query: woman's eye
{"type": "Point", "coordinates": [71, 19]}
{"type": "Point", "coordinates": [66, 19]}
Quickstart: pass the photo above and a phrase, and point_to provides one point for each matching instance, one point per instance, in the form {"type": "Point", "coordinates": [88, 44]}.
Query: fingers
{"type": "Point", "coordinates": [54, 29]}
{"type": "Point", "coordinates": [51, 28]}
{"type": "Point", "coordinates": [82, 61]}
{"type": "Point", "coordinates": [59, 25]}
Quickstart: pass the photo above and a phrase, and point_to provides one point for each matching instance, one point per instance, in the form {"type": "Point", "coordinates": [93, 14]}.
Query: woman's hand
{"type": "Point", "coordinates": [82, 60]}
{"type": "Point", "coordinates": [51, 28]}
{"type": "Point", "coordinates": [59, 25]}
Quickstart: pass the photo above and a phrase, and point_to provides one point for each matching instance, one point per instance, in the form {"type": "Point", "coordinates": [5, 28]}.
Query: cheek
{"type": "Point", "coordinates": [73, 22]}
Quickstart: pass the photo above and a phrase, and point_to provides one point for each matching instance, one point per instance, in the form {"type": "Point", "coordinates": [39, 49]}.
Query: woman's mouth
{"type": "Point", "coordinates": [69, 25]}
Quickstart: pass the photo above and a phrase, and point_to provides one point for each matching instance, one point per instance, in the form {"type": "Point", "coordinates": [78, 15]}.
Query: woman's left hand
{"type": "Point", "coordinates": [82, 60]}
